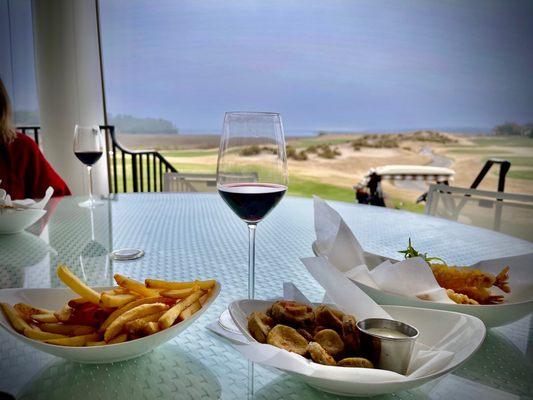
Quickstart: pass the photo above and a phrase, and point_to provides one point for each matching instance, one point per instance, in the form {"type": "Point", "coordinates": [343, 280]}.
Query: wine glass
{"type": "Point", "coordinates": [88, 147]}
{"type": "Point", "coordinates": [252, 172]}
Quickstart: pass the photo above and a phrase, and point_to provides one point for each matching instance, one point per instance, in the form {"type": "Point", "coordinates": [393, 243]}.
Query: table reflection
{"type": "Point", "coordinates": [166, 372]}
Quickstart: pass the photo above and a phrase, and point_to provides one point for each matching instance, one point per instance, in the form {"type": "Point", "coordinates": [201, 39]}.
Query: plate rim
{"type": "Point", "coordinates": [7, 326]}
{"type": "Point", "coordinates": [314, 246]}
{"type": "Point", "coordinates": [432, 376]}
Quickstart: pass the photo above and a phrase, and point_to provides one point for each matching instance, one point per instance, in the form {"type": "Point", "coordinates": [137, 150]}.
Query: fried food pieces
{"type": "Point", "coordinates": [324, 334]}
{"type": "Point", "coordinates": [355, 362]}
{"type": "Point", "coordinates": [330, 341]}
{"type": "Point", "coordinates": [319, 354]}
{"type": "Point", "coordinates": [292, 313]}
{"type": "Point", "coordinates": [464, 285]}
{"type": "Point", "coordinates": [259, 325]}
{"type": "Point", "coordinates": [471, 286]}
{"type": "Point", "coordinates": [329, 317]}
{"type": "Point", "coordinates": [350, 333]}
{"type": "Point", "coordinates": [287, 338]}
{"type": "Point", "coordinates": [129, 311]}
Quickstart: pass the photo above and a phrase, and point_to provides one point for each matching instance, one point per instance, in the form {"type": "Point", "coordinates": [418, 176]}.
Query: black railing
{"type": "Point", "coordinates": [32, 129]}
{"type": "Point", "coordinates": [146, 167]}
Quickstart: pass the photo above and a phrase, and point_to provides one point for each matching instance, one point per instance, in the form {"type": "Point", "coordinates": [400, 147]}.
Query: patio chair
{"type": "Point", "coordinates": [504, 212]}
{"type": "Point", "coordinates": [196, 182]}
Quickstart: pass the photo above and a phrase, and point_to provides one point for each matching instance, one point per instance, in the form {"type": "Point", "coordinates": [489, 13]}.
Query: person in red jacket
{"type": "Point", "coordinates": [24, 172]}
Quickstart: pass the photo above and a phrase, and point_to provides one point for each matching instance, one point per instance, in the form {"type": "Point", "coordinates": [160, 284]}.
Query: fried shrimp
{"type": "Point", "coordinates": [319, 354]}
{"type": "Point", "coordinates": [330, 341]}
{"type": "Point", "coordinates": [460, 298]}
{"type": "Point", "coordinates": [287, 338]}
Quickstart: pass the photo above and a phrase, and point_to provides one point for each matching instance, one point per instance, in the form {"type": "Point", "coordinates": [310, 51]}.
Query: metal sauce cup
{"type": "Point", "coordinates": [388, 353]}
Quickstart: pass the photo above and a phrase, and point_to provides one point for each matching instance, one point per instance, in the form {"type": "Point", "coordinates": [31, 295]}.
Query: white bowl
{"type": "Point", "coordinates": [56, 298]}
{"type": "Point", "coordinates": [460, 334]}
{"type": "Point", "coordinates": [14, 221]}
{"type": "Point", "coordinates": [516, 305]}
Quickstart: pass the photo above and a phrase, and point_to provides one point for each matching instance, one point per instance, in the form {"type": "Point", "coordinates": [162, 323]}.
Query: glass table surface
{"type": "Point", "coordinates": [188, 236]}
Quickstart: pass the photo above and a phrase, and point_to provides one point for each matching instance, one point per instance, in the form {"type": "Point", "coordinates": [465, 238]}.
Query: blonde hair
{"type": "Point", "coordinates": [7, 133]}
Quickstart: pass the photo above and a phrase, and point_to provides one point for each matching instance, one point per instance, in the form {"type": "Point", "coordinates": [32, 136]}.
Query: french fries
{"type": "Point", "coordinates": [77, 286]}
{"type": "Point", "coordinates": [117, 313]}
{"type": "Point", "coordinates": [140, 311]}
{"type": "Point", "coordinates": [15, 318]}
{"type": "Point", "coordinates": [135, 286]}
{"type": "Point", "coordinates": [69, 330]}
{"type": "Point", "coordinates": [44, 318]}
{"type": "Point", "coordinates": [119, 339]}
{"type": "Point", "coordinates": [190, 310]}
{"type": "Point", "coordinates": [139, 324]}
{"type": "Point", "coordinates": [116, 300]}
{"type": "Point", "coordinates": [171, 315]}
{"type": "Point", "coordinates": [74, 341]}
{"type": "Point", "coordinates": [158, 284]}
{"type": "Point", "coordinates": [40, 335]}
{"type": "Point", "coordinates": [120, 314]}
{"type": "Point", "coordinates": [27, 311]}
{"type": "Point", "coordinates": [179, 293]}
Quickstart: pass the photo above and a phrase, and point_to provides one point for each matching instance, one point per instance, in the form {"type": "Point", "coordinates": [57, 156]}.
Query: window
{"type": "Point", "coordinates": [17, 63]}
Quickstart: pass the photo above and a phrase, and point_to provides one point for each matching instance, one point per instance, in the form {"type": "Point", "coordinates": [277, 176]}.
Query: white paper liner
{"type": "Point", "coordinates": [5, 200]}
{"type": "Point", "coordinates": [350, 299]}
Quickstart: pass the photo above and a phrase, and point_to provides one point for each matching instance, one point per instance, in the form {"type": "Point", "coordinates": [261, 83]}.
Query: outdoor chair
{"type": "Point", "coordinates": [193, 182]}
{"type": "Point", "coordinates": [504, 212]}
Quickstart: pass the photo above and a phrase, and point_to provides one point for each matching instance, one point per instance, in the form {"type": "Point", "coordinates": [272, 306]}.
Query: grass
{"type": "Point", "coordinates": [520, 174]}
{"type": "Point", "coordinates": [520, 161]}
{"type": "Point", "coordinates": [474, 150]}
{"type": "Point", "coordinates": [316, 141]}
{"type": "Point", "coordinates": [506, 141]}
{"type": "Point", "coordinates": [306, 188]}
{"type": "Point", "coordinates": [188, 153]}
{"type": "Point", "coordinates": [407, 206]}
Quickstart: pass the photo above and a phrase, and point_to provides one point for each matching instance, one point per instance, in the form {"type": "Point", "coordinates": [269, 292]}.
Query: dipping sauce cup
{"type": "Point", "coordinates": [388, 343]}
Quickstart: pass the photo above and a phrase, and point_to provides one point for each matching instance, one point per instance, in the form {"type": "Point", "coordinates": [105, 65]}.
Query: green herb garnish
{"type": "Point", "coordinates": [410, 252]}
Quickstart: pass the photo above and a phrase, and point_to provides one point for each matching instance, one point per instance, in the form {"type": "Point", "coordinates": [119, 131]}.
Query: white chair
{"type": "Point", "coordinates": [504, 212]}
{"type": "Point", "coordinates": [189, 182]}
{"type": "Point", "coordinates": [193, 182]}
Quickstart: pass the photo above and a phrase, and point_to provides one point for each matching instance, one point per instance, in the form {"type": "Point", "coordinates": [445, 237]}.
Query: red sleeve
{"type": "Point", "coordinates": [39, 174]}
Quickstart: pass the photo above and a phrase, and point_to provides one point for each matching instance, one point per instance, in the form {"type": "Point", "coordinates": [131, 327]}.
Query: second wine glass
{"type": "Point", "coordinates": [252, 172]}
{"type": "Point", "coordinates": [88, 147]}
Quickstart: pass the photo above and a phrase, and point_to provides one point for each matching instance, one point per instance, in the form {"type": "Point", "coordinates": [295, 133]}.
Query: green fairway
{"type": "Point", "coordinates": [520, 174]}
{"type": "Point", "coordinates": [511, 141]}
{"type": "Point", "coordinates": [188, 153]}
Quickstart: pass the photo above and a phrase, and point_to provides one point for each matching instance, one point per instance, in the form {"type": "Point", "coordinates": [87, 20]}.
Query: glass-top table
{"type": "Point", "coordinates": [189, 236]}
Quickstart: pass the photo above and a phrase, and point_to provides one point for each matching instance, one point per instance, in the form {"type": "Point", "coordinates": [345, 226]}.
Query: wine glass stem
{"type": "Point", "coordinates": [251, 260]}
{"type": "Point", "coordinates": [89, 168]}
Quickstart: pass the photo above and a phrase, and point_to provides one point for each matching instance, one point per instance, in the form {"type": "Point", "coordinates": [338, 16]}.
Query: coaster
{"type": "Point", "coordinates": [126, 254]}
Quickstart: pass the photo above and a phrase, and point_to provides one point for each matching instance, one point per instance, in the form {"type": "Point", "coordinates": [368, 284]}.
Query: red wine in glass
{"type": "Point", "coordinates": [252, 201]}
{"type": "Point", "coordinates": [88, 157]}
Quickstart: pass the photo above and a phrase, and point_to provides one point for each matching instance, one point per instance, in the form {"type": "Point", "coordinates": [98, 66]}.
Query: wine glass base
{"type": "Point", "coordinates": [226, 322]}
{"type": "Point", "coordinates": [90, 204]}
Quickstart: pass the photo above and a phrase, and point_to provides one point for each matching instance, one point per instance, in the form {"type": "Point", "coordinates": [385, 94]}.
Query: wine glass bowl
{"type": "Point", "coordinates": [88, 148]}
{"type": "Point", "coordinates": [252, 174]}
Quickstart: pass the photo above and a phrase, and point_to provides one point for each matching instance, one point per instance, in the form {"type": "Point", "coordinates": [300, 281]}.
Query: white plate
{"type": "Point", "coordinates": [56, 298]}
{"type": "Point", "coordinates": [517, 304]}
{"type": "Point", "coordinates": [13, 221]}
{"type": "Point", "coordinates": [434, 325]}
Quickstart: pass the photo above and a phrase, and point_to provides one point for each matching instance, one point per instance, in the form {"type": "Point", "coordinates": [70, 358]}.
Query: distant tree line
{"type": "Point", "coordinates": [513, 129]}
{"type": "Point", "coordinates": [129, 124]}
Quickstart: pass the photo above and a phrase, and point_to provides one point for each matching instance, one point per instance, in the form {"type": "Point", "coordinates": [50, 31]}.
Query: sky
{"type": "Point", "coordinates": [334, 65]}
{"type": "Point", "coordinates": [341, 65]}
